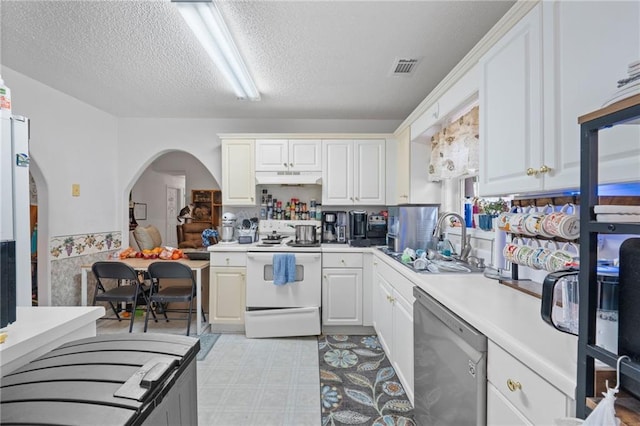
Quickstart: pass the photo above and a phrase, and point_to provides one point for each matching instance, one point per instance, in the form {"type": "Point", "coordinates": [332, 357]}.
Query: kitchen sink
{"type": "Point", "coordinates": [436, 266]}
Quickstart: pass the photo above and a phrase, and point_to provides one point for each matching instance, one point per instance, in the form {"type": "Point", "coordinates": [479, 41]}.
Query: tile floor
{"type": "Point", "coordinates": [250, 381]}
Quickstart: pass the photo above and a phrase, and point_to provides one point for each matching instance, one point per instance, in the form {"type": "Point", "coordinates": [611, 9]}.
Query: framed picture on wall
{"type": "Point", "coordinates": [140, 211]}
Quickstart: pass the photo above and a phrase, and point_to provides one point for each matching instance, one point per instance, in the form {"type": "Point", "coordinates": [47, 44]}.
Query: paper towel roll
{"type": "Point", "coordinates": [500, 240]}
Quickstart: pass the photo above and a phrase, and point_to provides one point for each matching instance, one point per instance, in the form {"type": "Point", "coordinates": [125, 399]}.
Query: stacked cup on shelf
{"type": "Point", "coordinates": [546, 224]}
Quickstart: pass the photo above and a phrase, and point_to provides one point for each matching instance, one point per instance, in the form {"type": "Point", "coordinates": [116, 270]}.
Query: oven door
{"type": "Point", "coordinates": [263, 293]}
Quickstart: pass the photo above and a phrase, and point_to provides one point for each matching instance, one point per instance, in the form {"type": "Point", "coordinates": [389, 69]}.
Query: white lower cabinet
{"type": "Point", "coordinates": [516, 395]}
{"type": "Point", "coordinates": [500, 412]}
{"type": "Point", "coordinates": [342, 289]}
{"type": "Point", "coordinates": [227, 295]}
{"type": "Point", "coordinates": [393, 320]}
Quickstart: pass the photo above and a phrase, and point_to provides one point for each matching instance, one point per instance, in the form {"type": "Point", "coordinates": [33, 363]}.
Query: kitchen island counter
{"type": "Point", "coordinates": [38, 330]}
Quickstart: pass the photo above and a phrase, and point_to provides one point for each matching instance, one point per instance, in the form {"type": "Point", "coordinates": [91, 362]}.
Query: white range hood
{"type": "Point", "coordinates": [288, 178]}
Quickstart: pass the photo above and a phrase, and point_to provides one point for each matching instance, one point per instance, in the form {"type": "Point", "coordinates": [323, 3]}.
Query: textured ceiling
{"type": "Point", "coordinates": [309, 59]}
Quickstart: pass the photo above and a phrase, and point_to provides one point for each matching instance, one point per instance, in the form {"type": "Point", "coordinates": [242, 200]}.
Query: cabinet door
{"type": "Point", "coordinates": [227, 296]}
{"type": "Point", "coordinates": [500, 412]}
{"type": "Point", "coordinates": [342, 296]}
{"type": "Point", "coordinates": [305, 155]}
{"type": "Point", "coordinates": [337, 172]}
{"type": "Point", "coordinates": [511, 119]}
{"type": "Point", "coordinates": [272, 155]}
{"type": "Point", "coordinates": [369, 172]}
{"type": "Point", "coordinates": [238, 172]}
{"type": "Point", "coordinates": [403, 342]}
{"type": "Point", "coordinates": [607, 31]}
{"type": "Point", "coordinates": [403, 162]}
{"type": "Point", "coordinates": [383, 313]}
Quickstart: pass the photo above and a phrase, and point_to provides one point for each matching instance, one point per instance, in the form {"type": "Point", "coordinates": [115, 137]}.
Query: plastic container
{"type": "Point", "coordinates": [5, 100]}
{"type": "Point", "coordinates": [468, 213]}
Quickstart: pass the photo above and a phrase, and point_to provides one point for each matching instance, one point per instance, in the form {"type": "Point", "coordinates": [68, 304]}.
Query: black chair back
{"type": "Point", "coordinates": [173, 269]}
{"type": "Point", "coordinates": [114, 270]}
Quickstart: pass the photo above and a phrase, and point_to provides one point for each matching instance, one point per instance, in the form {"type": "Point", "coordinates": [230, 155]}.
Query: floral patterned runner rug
{"type": "Point", "coordinates": [358, 386]}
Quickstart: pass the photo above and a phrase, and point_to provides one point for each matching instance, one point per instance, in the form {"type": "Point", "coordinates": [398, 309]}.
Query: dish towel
{"type": "Point", "coordinates": [284, 268]}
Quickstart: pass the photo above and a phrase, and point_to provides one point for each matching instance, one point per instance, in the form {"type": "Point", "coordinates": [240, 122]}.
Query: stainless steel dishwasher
{"type": "Point", "coordinates": [450, 366]}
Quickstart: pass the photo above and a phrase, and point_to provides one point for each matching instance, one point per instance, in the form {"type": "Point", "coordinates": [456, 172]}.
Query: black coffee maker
{"type": "Point", "coordinates": [358, 228]}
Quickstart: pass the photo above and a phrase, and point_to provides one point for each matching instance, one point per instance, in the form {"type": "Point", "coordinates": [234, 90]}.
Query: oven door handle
{"type": "Point", "coordinates": [269, 256]}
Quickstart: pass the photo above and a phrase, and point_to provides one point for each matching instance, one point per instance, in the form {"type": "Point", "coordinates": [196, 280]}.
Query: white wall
{"type": "Point", "coordinates": [197, 176]}
{"type": "Point", "coordinates": [72, 142]}
{"type": "Point", "coordinates": [151, 189]}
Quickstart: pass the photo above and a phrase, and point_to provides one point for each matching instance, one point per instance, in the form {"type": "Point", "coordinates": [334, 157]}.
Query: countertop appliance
{"type": "Point", "coordinates": [411, 227]}
{"type": "Point", "coordinates": [15, 243]}
{"type": "Point", "coordinates": [357, 225]}
{"type": "Point", "coordinates": [123, 379]}
{"type": "Point", "coordinates": [334, 227]}
{"type": "Point", "coordinates": [377, 229]}
{"type": "Point", "coordinates": [629, 300]}
{"type": "Point", "coordinates": [291, 309]}
{"type": "Point", "coordinates": [560, 303]}
{"type": "Point", "coordinates": [450, 360]}
{"type": "Point", "coordinates": [228, 228]}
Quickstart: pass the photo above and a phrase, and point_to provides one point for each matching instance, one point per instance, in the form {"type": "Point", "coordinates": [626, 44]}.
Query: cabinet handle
{"type": "Point", "coordinates": [342, 260]}
{"type": "Point", "coordinates": [291, 164]}
{"type": "Point", "coordinates": [284, 164]}
{"type": "Point", "coordinates": [513, 385]}
{"type": "Point", "coordinates": [357, 199]}
{"type": "Point", "coordinates": [325, 277]}
{"type": "Point", "coordinates": [375, 263]}
{"type": "Point", "coordinates": [227, 260]}
{"type": "Point", "coordinates": [532, 172]}
{"type": "Point", "coordinates": [545, 169]}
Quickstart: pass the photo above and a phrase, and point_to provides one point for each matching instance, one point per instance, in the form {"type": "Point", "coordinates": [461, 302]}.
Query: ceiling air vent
{"type": "Point", "coordinates": [404, 66]}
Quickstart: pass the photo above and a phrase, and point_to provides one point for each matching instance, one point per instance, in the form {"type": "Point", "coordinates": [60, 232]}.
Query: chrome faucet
{"type": "Point", "coordinates": [465, 242]}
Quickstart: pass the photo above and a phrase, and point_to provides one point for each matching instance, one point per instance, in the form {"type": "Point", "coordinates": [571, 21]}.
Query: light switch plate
{"type": "Point", "coordinates": [75, 190]}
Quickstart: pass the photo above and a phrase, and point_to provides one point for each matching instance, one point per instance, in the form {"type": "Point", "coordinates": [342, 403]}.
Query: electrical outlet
{"type": "Point", "coordinates": [75, 190]}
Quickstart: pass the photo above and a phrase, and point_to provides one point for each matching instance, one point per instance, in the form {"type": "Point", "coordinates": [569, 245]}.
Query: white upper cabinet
{"type": "Point", "coordinates": [562, 60]}
{"type": "Point", "coordinates": [511, 109]}
{"type": "Point", "coordinates": [353, 172]}
{"type": "Point", "coordinates": [303, 155]}
{"type": "Point", "coordinates": [238, 172]}
{"type": "Point", "coordinates": [594, 42]}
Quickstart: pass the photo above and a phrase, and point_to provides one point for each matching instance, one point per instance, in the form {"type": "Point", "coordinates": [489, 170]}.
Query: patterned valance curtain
{"type": "Point", "coordinates": [454, 149]}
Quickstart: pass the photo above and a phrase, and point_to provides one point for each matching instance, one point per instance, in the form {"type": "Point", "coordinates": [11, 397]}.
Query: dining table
{"type": "Point", "coordinates": [199, 267]}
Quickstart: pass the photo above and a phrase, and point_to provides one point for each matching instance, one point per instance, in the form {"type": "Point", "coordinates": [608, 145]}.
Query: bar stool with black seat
{"type": "Point", "coordinates": [133, 293]}
{"type": "Point", "coordinates": [179, 293]}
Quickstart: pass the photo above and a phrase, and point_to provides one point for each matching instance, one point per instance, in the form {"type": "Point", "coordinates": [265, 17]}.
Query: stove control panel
{"type": "Point", "coordinates": [283, 227]}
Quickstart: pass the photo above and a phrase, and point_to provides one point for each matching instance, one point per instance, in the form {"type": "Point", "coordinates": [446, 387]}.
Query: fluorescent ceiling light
{"type": "Point", "coordinates": [207, 24]}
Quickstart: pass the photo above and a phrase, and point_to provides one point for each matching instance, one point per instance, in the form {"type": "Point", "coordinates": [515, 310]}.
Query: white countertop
{"type": "Point", "coordinates": [508, 317]}
{"type": "Point", "coordinates": [325, 248]}
{"type": "Point", "coordinates": [37, 330]}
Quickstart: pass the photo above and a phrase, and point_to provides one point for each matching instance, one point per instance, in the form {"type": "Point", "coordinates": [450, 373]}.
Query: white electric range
{"type": "Point", "coordinates": [291, 309]}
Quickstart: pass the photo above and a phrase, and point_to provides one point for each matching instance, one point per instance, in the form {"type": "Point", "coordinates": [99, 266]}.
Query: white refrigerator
{"type": "Point", "coordinates": [15, 241]}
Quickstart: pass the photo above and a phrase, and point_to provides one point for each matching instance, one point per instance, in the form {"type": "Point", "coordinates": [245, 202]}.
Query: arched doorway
{"type": "Point", "coordinates": [39, 196]}
{"type": "Point", "coordinates": [164, 187]}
